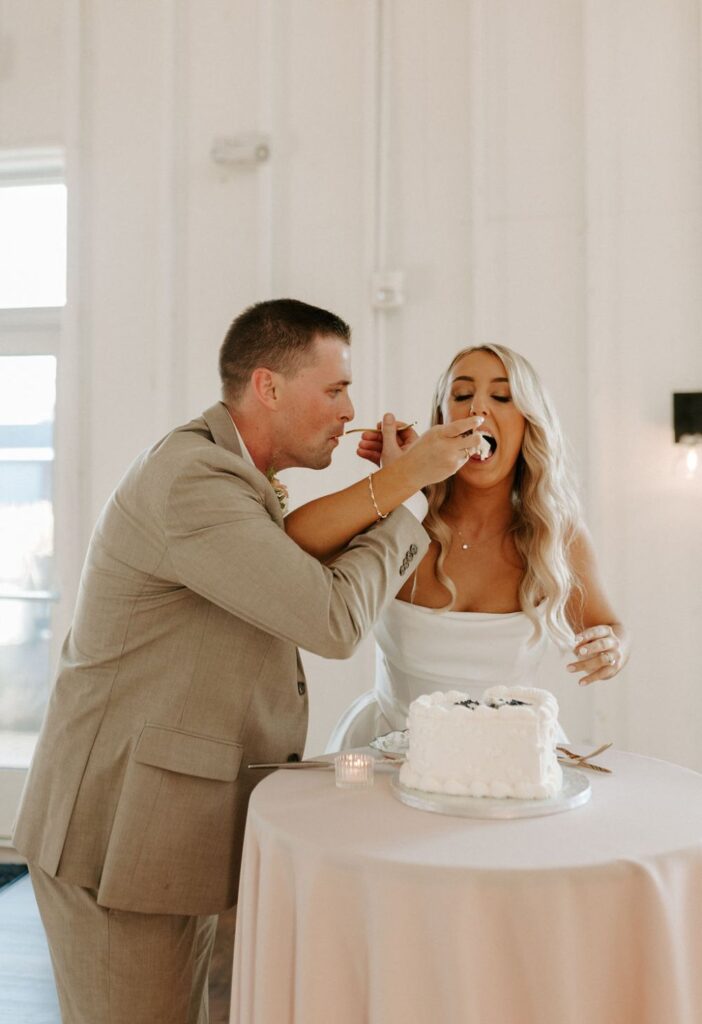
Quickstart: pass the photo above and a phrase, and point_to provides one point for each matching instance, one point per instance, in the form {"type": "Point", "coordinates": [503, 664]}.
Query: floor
{"type": "Point", "coordinates": [221, 969]}
{"type": "Point", "coordinates": [27, 994]}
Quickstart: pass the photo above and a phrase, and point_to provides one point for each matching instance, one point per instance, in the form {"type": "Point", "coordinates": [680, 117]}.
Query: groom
{"type": "Point", "coordinates": [181, 668]}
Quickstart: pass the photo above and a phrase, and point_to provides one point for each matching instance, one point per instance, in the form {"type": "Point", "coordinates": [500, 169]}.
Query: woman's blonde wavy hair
{"type": "Point", "coordinates": [546, 510]}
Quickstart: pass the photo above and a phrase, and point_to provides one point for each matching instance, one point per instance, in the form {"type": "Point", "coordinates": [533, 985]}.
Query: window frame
{"type": "Point", "coordinates": [43, 330]}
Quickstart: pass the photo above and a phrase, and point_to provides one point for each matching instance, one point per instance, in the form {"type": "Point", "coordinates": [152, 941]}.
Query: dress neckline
{"type": "Point", "coordinates": [459, 615]}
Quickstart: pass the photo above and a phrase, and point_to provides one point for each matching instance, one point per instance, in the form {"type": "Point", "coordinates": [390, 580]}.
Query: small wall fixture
{"type": "Point", "coordinates": [687, 424]}
{"type": "Point", "coordinates": [245, 150]}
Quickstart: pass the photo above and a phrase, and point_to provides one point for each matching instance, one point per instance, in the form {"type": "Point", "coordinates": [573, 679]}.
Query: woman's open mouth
{"type": "Point", "coordinates": [486, 448]}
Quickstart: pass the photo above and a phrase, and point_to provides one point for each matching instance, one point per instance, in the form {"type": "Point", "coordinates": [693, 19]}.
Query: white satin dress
{"type": "Point", "coordinates": [420, 650]}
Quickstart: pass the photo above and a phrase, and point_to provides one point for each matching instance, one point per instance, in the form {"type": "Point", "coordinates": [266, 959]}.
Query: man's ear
{"type": "Point", "coordinates": [265, 385]}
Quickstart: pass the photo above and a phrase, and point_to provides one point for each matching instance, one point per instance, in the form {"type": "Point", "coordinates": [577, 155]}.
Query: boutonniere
{"type": "Point", "coordinates": [281, 491]}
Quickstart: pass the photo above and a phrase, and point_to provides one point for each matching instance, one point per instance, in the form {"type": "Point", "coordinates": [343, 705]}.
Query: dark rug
{"type": "Point", "coordinates": [11, 872]}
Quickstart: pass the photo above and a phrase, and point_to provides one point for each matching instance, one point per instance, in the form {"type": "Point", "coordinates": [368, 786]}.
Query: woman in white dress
{"type": "Point", "coordinates": [510, 565]}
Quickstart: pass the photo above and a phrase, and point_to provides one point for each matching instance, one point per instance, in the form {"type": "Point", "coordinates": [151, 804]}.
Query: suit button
{"type": "Point", "coordinates": [413, 550]}
{"type": "Point", "coordinates": [403, 569]}
{"type": "Point", "coordinates": [292, 757]}
{"type": "Point", "coordinates": [301, 688]}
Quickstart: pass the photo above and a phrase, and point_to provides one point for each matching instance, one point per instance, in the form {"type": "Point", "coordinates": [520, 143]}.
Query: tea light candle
{"type": "Point", "coordinates": [354, 770]}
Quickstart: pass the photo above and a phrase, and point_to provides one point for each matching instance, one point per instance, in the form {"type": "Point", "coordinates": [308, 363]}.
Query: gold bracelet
{"type": "Point", "coordinates": [379, 514]}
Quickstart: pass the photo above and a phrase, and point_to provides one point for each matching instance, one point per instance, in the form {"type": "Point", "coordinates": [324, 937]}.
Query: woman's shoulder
{"type": "Point", "coordinates": [581, 549]}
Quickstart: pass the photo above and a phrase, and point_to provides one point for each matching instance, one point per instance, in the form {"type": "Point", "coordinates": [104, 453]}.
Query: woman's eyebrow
{"type": "Point", "coordinates": [495, 380]}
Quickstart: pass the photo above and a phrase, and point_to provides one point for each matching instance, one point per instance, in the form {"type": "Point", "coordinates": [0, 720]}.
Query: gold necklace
{"type": "Point", "coordinates": [465, 546]}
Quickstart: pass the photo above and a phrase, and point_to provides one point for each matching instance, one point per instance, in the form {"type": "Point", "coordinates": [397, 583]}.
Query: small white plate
{"type": "Point", "coordinates": [576, 791]}
{"type": "Point", "coordinates": [392, 742]}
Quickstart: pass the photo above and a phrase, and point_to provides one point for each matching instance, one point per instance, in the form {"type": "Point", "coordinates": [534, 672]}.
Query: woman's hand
{"type": "Point", "coordinates": [600, 654]}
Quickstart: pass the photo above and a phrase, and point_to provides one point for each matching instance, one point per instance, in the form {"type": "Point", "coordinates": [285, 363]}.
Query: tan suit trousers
{"type": "Point", "coordinates": [119, 967]}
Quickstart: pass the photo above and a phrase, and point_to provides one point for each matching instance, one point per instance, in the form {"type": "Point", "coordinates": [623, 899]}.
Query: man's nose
{"type": "Point", "coordinates": [348, 412]}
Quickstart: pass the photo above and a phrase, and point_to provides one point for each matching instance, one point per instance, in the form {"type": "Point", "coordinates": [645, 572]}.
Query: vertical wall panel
{"type": "Point", "coordinates": [534, 192]}
{"type": "Point", "coordinates": [428, 197]}
{"type": "Point", "coordinates": [322, 177]}
{"type": "Point", "coordinates": [123, 134]}
{"type": "Point", "coordinates": [32, 84]}
{"type": "Point", "coordinates": [221, 95]}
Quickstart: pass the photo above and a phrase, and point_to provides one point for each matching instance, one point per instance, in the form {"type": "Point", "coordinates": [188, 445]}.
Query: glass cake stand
{"type": "Point", "coordinates": [576, 791]}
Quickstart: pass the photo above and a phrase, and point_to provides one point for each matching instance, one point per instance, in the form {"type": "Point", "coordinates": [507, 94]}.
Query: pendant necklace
{"type": "Point", "coordinates": [465, 546]}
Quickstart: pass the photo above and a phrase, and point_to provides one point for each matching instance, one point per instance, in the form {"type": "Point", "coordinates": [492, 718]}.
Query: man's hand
{"type": "Point", "coordinates": [386, 444]}
{"type": "Point", "coordinates": [430, 457]}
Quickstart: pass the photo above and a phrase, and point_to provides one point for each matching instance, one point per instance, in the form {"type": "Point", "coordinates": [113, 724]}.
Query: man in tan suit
{"type": "Point", "coordinates": [181, 667]}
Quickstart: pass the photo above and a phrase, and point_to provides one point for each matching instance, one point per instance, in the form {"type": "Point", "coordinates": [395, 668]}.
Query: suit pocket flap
{"type": "Point", "coordinates": [188, 753]}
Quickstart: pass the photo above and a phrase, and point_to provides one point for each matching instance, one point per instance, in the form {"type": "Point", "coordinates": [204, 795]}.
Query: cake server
{"type": "Point", "coordinates": [295, 764]}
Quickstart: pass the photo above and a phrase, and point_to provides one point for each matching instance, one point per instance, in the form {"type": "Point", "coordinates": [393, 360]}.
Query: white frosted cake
{"type": "Point", "coordinates": [502, 745]}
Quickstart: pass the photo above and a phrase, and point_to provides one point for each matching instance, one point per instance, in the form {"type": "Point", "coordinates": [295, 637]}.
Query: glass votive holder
{"type": "Point", "coordinates": [354, 770]}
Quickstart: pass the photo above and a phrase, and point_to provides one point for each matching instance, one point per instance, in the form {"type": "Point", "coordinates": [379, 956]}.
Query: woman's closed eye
{"type": "Point", "coordinates": [497, 398]}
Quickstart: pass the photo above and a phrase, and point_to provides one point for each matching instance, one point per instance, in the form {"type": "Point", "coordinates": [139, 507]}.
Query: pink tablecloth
{"type": "Point", "coordinates": [356, 909]}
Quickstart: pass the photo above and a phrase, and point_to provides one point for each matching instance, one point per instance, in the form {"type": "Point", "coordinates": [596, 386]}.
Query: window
{"type": "Point", "coordinates": [32, 230]}
{"type": "Point", "coordinates": [27, 396]}
{"type": "Point", "coordinates": [32, 264]}
{"type": "Point", "coordinates": [33, 208]}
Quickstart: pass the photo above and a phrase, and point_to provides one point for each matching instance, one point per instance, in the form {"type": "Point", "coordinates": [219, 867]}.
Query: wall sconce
{"type": "Point", "coordinates": [687, 424]}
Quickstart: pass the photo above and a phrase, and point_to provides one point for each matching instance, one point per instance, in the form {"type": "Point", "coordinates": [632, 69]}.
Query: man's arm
{"type": "Point", "coordinates": [223, 545]}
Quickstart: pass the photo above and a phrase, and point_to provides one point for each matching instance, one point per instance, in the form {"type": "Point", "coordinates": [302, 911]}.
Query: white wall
{"type": "Point", "coordinates": [644, 233]}
{"type": "Point", "coordinates": [531, 166]}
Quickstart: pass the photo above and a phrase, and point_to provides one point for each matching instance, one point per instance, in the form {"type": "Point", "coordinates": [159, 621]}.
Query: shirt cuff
{"type": "Point", "coordinates": [418, 505]}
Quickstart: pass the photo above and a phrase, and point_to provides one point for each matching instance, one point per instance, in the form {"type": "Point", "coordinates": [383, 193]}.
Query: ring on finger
{"type": "Point", "coordinates": [610, 658]}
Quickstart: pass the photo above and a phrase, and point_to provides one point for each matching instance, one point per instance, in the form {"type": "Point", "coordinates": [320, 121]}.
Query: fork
{"type": "Point", "coordinates": [583, 760]}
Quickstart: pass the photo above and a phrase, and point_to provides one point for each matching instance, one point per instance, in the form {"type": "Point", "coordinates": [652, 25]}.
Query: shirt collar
{"type": "Point", "coordinates": [245, 454]}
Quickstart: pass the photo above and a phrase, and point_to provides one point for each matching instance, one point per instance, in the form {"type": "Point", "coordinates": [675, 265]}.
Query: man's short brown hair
{"type": "Point", "coordinates": [277, 334]}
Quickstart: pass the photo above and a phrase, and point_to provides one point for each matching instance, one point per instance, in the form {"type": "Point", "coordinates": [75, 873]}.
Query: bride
{"type": "Point", "coordinates": [510, 564]}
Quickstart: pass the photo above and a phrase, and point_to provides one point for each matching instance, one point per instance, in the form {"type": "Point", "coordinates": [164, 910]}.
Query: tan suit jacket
{"type": "Point", "coordinates": [181, 668]}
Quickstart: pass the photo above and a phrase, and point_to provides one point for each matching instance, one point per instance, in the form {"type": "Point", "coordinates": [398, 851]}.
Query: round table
{"type": "Point", "coordinates": [358, 909]}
